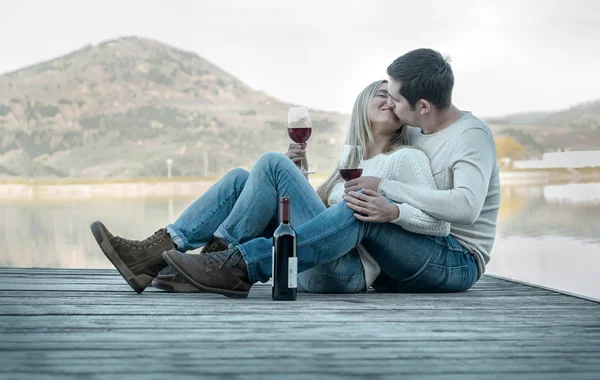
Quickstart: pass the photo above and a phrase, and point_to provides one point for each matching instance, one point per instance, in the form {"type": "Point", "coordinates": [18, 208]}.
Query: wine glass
{"type": "Point", "coordinates": [351, 162]}
{"type": "Point", "coordinates": [299, 128]}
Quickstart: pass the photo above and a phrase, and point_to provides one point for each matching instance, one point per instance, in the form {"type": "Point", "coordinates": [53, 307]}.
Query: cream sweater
{"type": "Point", "coordinates": [406, 165]}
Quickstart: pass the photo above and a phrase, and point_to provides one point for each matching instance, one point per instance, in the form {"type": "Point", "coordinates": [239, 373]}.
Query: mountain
{"type": "Point", "coordinates": [523, 118]}
{"type": "Point", "coordinates": [576, 128]}
{"type": "Point", "coordinates": [581, 115]}
{"type": "Point", "coordinates": [586, 115]}
{"type": "Point", "coordinates": [123, 107]}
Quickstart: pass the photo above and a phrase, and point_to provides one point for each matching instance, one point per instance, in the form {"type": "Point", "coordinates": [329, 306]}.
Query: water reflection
{"type": "Point", "coordinates": [56, 233]}
{"type": "Point", "coordinates": [556, 210]}
{"type": "Point", "coordinates": [548, 235]}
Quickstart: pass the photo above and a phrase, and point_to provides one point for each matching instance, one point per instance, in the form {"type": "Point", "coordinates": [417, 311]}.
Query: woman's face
{"type": "Point", "coordinates": [381, 115]}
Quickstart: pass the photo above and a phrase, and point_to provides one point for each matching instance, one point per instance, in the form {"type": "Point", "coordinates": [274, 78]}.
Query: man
{"type": "Point", "coordinates": [461, 149]}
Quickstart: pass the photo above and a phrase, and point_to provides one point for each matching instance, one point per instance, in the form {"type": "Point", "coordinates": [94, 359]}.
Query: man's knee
{"type": "Point", "coordinates": [344, 211]}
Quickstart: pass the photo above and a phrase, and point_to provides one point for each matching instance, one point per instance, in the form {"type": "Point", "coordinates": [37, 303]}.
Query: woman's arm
{"type": "Point", "coordinates": [413, 168]}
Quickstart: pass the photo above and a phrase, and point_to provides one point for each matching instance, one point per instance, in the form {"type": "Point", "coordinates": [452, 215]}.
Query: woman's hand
{"type": "Point", "coordinates": [363, 182]}
{"type": "Point", "coordinates": [297, 153]}
{"type": "Point", "coordinates": [370, 206]}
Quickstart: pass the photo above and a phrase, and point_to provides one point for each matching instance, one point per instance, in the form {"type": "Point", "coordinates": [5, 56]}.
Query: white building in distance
{"type": "Point", "coordinates": [572, 159]}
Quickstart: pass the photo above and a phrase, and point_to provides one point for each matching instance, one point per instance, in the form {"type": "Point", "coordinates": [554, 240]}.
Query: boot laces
{"type": "Point", "coordinates": [224, 256]}
{"type": "Point", "coordinates": [153, 240]}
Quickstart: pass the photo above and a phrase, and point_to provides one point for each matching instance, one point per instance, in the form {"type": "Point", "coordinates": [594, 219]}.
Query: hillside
{"type": "Point", "coordinates": [121, 108]}
{"type": "Point", "coordinates": [576, 128]}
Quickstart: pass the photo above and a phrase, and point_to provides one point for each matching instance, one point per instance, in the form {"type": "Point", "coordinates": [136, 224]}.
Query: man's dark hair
{"type": "Point", "coordinates": [424, 74]}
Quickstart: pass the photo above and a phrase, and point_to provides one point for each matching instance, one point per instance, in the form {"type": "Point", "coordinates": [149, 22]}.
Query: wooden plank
{"type": "Point", "coordinates": [531, 285]}
{"type": "Point", "coordinates": [71, 324]}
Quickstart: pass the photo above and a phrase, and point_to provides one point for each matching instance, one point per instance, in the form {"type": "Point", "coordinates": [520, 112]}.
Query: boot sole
{"type": "Point", "coordinates": [137, 282]}
{"type": "Point", "coordinates": [207, 289]}
{"type": "Point", "coordinates": [174, 287]}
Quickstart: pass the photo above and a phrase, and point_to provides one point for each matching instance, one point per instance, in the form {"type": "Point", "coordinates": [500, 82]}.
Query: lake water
{"type": "Point", "coordinates": [547, 235]}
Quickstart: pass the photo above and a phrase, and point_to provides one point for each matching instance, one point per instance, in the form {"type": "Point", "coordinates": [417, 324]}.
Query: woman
{"type": "Point", "coordinates": [242, 207]}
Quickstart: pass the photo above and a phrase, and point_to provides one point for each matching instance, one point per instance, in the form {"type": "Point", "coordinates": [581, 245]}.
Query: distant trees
{"type": "Point", "coordinates": [508, 150]}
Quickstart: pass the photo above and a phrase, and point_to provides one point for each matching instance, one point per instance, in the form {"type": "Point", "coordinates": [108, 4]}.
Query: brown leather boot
{"type": "Point", "coordinates": [138, 261]}
{"type": "Point", "coordinates": [168, 279]}
{"type": "Point", "coordinates": [223, 273]}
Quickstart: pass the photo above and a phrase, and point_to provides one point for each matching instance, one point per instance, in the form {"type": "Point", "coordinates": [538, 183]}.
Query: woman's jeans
{"type": "Point", "coordinates": [242, 209]}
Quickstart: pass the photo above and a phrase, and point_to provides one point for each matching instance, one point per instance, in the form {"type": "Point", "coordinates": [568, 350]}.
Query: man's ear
{"type": "Point", "coordinates": [424, 107]}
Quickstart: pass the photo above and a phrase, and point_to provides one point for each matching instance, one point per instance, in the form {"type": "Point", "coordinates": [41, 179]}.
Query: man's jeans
{"type": "Point", "coordinates": [242, 209]}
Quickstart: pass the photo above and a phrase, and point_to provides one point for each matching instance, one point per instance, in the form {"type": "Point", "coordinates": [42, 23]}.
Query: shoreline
{"type": "Point", "coordinates": [193, 186]}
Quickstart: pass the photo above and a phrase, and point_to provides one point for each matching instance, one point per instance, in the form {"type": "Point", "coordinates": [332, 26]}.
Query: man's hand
{"type": "Point", "coordinates": [297, 153]}
{"type": "Point", "coordinates": [361, 183]}
{"type": "Point", "coordinates": [370, 206]}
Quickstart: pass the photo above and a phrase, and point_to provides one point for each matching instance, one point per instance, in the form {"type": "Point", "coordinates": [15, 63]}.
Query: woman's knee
{"type": "Point", "coordinates": [238, 177]}
{"type": "Point", "coordinates": [273, 160]}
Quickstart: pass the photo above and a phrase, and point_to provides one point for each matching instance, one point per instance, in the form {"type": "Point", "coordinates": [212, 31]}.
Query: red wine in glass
{"type": "Point", "coordinates": [349, 174]}
{"type": "Point", "coordinates": [351, 162]}
{"type": "Point", "coordinates": [299, 135]}
{"type": "Point", "coordinates": [299, 128]}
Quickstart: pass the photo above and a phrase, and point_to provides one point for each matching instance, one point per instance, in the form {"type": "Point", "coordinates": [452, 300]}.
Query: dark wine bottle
{"type": "Point", "coordinates": [285, 261]}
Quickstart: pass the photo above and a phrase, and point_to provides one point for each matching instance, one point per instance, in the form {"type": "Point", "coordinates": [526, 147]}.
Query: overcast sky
{"type": "Point", "coordinates": [508, 56]}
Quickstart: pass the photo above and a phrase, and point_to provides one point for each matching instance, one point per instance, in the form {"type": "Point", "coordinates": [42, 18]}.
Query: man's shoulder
{"type": "Point", "coordinates": [469, 121]}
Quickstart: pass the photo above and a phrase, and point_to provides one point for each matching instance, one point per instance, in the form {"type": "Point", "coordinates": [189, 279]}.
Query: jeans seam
{"type": "Point", "coordinates": [299, 191]}
{"type": "Point", "coordinates": [430, 264]}
{"type": "Point", "coordinates": [463, 276]}
{"type": "Point", "coordinates": [414, 280]}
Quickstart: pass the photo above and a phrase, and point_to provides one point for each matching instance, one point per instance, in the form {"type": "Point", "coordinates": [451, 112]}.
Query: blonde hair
{"type": "Point", "coordinates": [360, 132]}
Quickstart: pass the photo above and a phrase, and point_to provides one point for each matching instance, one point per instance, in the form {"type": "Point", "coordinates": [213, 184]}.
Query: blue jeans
{"type": "Point", "coordinates": [242, 206]}
{"type": "Point", "coordinates": [409, 262]}
{"type": "Point", "coordinates": [242, 210]}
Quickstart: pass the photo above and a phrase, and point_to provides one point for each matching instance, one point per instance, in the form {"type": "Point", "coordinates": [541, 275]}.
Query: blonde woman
{"type": "Point", "coordinates": [235, 218]}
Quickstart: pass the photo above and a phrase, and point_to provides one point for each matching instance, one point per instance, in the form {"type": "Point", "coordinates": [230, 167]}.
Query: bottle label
{"type": "Point", "coordinates": [292, 272]}
{"type": "Point", "coordinates": [273, 267]}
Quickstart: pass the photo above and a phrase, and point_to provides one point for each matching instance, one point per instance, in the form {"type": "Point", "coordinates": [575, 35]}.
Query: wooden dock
{"type": "Point", "coordinates": [60, 324]}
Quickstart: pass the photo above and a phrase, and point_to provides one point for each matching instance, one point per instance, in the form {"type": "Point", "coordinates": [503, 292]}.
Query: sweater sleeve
{"type": "Point", "coordinates": [474, 161]}
{"type": "Point", "coordinates": [415, 169]}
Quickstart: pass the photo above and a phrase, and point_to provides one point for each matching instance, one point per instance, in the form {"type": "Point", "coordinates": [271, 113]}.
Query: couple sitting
{"type": "Point", "coordinates": [422, 218]}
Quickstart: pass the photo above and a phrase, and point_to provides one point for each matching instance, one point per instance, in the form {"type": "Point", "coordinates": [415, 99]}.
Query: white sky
{"type": "Point", "coordinates": [508, 55]}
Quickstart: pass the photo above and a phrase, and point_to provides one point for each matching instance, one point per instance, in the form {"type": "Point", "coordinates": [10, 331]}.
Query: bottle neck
{"type": "Point", "coordinates": [284, 212]}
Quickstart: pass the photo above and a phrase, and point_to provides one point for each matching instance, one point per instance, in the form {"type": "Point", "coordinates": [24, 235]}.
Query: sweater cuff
{"type": "Point", "coordinates": [399, 214]}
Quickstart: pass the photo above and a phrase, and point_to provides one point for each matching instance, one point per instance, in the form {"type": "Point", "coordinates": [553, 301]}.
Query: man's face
{"type": "Point", "coordinates": [400, 105]}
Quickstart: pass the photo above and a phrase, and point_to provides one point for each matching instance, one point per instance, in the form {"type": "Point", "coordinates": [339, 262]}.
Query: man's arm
{"type": "Point", "coordinates": [475, 158]}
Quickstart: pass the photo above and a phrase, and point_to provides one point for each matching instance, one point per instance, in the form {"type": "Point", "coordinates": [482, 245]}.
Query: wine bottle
{"type": "Point", "coordinates": [285, 261]}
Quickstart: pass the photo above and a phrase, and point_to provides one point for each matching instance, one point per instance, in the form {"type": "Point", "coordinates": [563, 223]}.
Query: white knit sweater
{"type": "Point", "coordinates": [406, 165]}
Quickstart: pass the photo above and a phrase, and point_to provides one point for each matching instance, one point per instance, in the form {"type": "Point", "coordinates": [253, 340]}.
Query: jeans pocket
{"type": "Point", "coordinates": [441, 279]}
{"type": "Point", "coordinates": [327, 283]}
